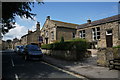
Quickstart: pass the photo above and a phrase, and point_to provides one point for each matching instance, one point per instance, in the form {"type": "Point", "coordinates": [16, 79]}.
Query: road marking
{"type": "Point", "coordinates": [16, 77]}
{"type": "Point", "coordinates": [12, 63]}
{"type": "Point", "coordinates": [71, 73]}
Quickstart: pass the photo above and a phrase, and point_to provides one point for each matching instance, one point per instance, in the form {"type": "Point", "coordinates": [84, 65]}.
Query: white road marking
{"type": "Point", "coordinates": [76, 75]}
{"type": "Point", "coordinates": [12, 63]}
{"type": "Point", "coordinates": [16, 77]}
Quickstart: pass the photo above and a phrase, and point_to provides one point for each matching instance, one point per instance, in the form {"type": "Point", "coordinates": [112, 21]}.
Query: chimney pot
{"type": "Point", "coordinates": [89, 21]}
{"type": "Point", "coordinates": [48, 17]}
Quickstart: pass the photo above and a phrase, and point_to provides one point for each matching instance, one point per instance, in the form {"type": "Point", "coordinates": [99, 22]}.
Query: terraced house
{"type": "Point", "coordinates": [53, 30]}
{"type": "Point", "coordinates": [32, 37]}
{"type": "Point", "coordinates": [101, 33]}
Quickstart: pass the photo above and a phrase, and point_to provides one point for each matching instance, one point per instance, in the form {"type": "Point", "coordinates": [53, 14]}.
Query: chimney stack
{"type": "Point", "coordinates": [48, 17]}
{"type": "Point", "coordinates": [29, 31]}
{"type": "Point", "coordinates": [89, 21]}
{"type": "Point", "coordinates": [38, 26]}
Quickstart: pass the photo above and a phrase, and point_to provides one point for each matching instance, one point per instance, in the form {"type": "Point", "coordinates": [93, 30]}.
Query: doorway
{"type": "Point", "coordinates": [109, 38]}
{"type": "Point", "coordinates": [46, 40]}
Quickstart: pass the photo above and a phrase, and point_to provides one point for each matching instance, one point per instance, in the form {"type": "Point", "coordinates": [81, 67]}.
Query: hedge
{"type": "Point", "coordinates": [117, 46]}
{"type": "Point", "coordinates": [75, 44]}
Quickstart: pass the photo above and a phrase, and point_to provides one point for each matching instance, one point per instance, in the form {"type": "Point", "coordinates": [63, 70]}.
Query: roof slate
{"type": "Point", "coordinates": [101, 21]}
{"type": "Point", "coordinates": [65, 24]}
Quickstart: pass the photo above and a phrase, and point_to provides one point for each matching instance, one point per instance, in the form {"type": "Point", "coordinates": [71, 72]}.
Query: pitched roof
{"type": "Point", "coordinates": [65, 24]}
{"type": "Point", "coordinates": [101, 21]}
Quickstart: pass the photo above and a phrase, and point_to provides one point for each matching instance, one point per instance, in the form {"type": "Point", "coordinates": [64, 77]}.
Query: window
{"type": "Point", "coordinates": [52, 35]}
{"type": "Point", "coordinates": [96, 33]}
{"type": "Point", "coordinates": [82, 34]}
{"type": "Point", "coordinates": [109, 32]}
{"type": "Point", "coordinates": [46, 33]}
{"type": "Point", "coordinates": [73, 35]}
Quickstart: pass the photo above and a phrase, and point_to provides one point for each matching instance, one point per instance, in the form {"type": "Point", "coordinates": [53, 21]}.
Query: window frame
{"type": "Point", "coordinates": [82, 34]}
{"type": "Point", "coordinates": [96, 33]}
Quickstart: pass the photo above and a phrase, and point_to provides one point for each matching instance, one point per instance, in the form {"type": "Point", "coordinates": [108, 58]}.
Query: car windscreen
{"type": "Point", "coordinates": [33, 48]}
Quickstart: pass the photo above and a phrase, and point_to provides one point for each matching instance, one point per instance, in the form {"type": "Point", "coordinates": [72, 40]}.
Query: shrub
{"type": "Point", "coordinates": [46, 46]}
{"type": "Point", "coordinates": [75, 44]}
{"type": "Point", "coordinates": [117, 46]}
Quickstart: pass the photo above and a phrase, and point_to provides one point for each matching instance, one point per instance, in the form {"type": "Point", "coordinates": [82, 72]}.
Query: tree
{"type": "Point", "coordinates": [12, 9]}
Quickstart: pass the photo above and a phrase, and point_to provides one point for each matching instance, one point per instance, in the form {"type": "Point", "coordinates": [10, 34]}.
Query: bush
{"type": "Point", "coordinates": [75, 44]}
{"type": "Point", "coordinates": [117, 46]}
{"type": "Point", "coordinates": [46, 46]}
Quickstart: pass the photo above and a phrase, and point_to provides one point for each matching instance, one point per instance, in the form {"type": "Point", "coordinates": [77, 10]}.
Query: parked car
{"type": "Point", "coordinates": [17, 49]}
{"type": "Point", "coordinates": [21, 49]}
{"type": "Point", "coordinates": [32, 51]}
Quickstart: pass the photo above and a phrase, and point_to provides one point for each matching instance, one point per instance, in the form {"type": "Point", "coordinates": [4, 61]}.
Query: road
{"type": "Point", "coordinates": [14, 67]}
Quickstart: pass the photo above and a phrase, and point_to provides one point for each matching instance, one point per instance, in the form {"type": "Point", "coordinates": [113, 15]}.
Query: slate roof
{"type": "Point", "coordinates": [101, 21]}
{"type": "Point", "coordinates": [65, 24]}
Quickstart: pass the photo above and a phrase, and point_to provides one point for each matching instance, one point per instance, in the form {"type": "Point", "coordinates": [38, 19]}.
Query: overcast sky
{"type": "Point", "coordinates": [71, 12]}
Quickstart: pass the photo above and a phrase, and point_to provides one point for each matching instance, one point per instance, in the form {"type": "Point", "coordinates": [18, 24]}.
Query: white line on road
{"type": "Point", "coordinates": [71, 73]}
{"type": "Point", "coordinates": [16, 77]}
{"type": "Point", "coordinates": [12, 63]}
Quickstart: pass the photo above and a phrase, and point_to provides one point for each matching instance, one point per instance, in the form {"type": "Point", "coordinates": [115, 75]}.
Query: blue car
{"type": "Point", "coordinates": [32, 51]}
{"type": "Point", "coordinates": [21, 49]}
{"type": "Point", "coordinates": [17, 48]}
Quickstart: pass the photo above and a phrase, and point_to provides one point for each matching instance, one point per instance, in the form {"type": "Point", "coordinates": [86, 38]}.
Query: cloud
{"type": "Point", "coordinates": [33, 28]}
{"type": "Point", "coordinates": [17, 32]}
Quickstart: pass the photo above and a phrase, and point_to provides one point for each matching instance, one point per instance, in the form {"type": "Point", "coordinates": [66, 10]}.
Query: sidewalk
{"type": "Point", "coordinates": [87, 68]}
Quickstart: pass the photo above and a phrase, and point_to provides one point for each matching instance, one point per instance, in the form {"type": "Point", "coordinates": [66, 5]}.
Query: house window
{"type": "Point", "coordinates": [96, 33]}
{"type": "Point", "coordinates": [82, 34]}
{"type": "Point", "coordinates": [73, 35]}
{"type": "Point", "coordinates": [46, 33]}
{"type": "Point", "coordinates": [109, 32]}
{"type": "Point", "coordinates": [52, 35]}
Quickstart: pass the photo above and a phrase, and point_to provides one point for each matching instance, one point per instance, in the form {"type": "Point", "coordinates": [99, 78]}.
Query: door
{"type": "Point", "coordinates": [109, 38]}
{"type": "Point", "coordinates": [46, 39]}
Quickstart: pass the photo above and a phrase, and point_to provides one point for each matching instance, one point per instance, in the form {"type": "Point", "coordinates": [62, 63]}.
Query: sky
{"type": "Point", "coordinates": [71, 12]}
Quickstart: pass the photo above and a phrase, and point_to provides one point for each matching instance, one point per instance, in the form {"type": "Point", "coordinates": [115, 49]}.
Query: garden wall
{"type": "Point", "coordinates": [106, 54]}
{"type": "Point", "coordinates": [66, 54]}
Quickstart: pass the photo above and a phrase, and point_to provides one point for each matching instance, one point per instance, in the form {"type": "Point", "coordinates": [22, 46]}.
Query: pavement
{"type": "Point", "coordinates": [88, 68]}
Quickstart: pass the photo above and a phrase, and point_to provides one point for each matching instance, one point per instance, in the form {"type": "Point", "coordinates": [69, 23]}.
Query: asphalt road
{"type": "Point", "coordinates": [14, 67]}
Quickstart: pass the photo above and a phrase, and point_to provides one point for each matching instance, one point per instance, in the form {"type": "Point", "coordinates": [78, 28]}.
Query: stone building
{"type": "Point", "coordinates": [24, 40]}
{"type": "Point", "coordinates": [15, 42]}
{"type": "Point", "coordinates": [3, 45]}
{"type": "Point", "coordinates": [53, 30]}
{"type": "Point", "coordinates": [32, 37]}
{"type": "Point", "coordinates": [101, 33]}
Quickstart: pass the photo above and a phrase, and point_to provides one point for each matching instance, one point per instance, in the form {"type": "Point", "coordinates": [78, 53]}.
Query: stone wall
{"type": "Point", "coordinates": [48, 27]}
{"type": "Point", "coordinates": [66, 54]}
{"type": "Point", "coordinates": [33, 37]}
{"type": "Point", "coordinates": [103, 28]}
{"type": "Point", "coordinates": [106, 54]}
{"type": "Point", "coordinates": [67, 33]}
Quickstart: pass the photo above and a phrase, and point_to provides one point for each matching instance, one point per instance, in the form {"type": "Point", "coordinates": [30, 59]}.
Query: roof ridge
{"type": "Point", "coordinates": [107, 18]}
{"type": "Point", "coordinates": [100, 21]}
{"type": "Point", "coordinates": [65, 22]}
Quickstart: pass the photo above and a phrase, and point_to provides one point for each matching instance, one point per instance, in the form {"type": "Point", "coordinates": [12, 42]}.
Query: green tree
{"type": "Point", "coordinates": [12, 9]}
